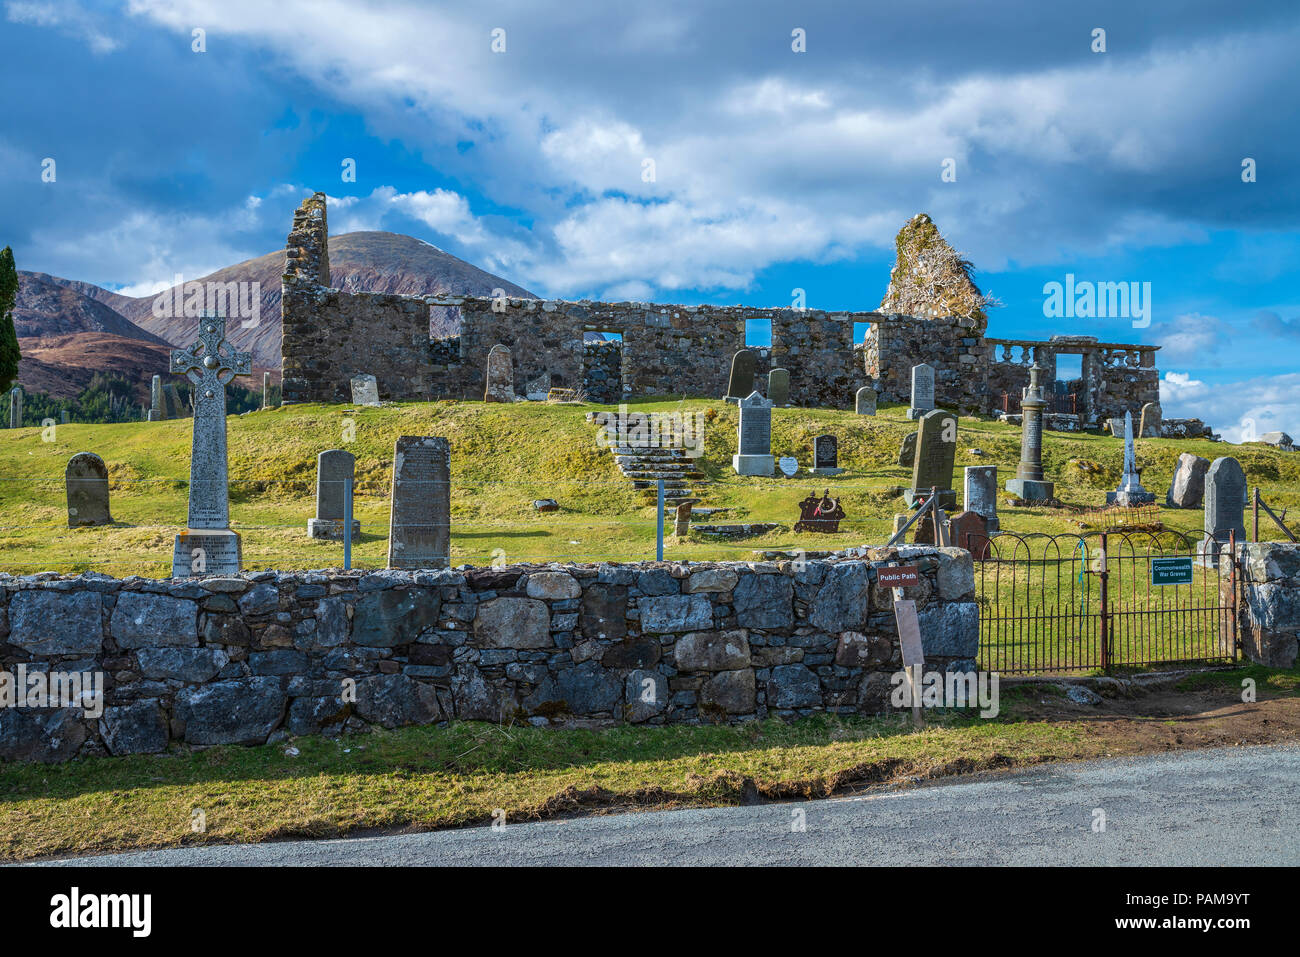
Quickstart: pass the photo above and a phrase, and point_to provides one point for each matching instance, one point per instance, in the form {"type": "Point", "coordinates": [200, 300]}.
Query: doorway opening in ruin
{"type": "Point", "coordinates": [602, 366]}
{"type": "Point", "coordinates": [1068, 390]}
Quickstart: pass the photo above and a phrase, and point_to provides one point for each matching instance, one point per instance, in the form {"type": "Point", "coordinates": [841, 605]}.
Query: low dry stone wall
{"type": "Point", "coordinates": [268, 655]}
{"type": "Point", "coordinates": [1270, 619]}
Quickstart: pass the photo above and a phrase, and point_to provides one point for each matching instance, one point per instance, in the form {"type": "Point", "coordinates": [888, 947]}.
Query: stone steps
{"type": "Point", "coordinates": [645, 467]}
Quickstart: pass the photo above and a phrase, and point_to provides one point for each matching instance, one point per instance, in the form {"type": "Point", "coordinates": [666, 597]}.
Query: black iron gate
{"type": "Point", "coordinates": [1061, 603]}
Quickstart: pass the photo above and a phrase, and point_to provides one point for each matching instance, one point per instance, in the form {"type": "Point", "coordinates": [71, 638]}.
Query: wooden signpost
{"type": "Point", "coordinates": [909, 629]}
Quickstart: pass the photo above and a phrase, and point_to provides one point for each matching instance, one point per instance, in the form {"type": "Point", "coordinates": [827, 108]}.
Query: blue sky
{"type": "Point", "coordinates": [773, 169]}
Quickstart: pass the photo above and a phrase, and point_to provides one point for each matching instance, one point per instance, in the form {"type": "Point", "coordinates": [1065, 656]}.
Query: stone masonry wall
{"type": "Point", "coordinates": [330, 335]}
{"type": "Point", "coordinates": [255, 658]}
{"type": "Point", "coordinates": [1270, 619]}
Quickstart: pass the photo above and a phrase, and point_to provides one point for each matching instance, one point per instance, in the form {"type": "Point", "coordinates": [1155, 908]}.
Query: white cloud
{"type": "Point", "coordinates": [1236, 410]}
{"type": "Point", "coordinates": [744, 141]}
{"type": "Point", "coordinates": [67, 15]}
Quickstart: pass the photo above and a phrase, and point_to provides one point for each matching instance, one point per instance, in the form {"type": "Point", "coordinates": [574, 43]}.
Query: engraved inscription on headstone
{"type": "Point", "coordinates": [334, 469]}
{"type": "Point", "coordinates": [982, 493]}
{"type": "Point", "coordinates": [754, 437]}
{"type": "Point", "coordinates": [419, 534]}
{"type": "Point", "coordinates": [1225, 508]}
{"type": "Point", "coordinates": [936, 451]}
{"type": "Point", "coordinates": [826, 455]}
{"type": "Point", "coordinates": [86, 478]}
{"type": "Point", "coordinates": [922, 391]}
{"type": "Point", "coordinates": [208, 546]}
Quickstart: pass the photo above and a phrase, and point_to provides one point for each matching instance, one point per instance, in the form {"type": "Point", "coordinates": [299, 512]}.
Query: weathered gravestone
{"type": "Point", "coordinates": [500, 376]}
{"type": "Point", "coordinates": [826, 455]}
{"type": "Point", "coordinates": [174, 406]}
{"type": "Point", "coordinates": [86, 479]}
{"type": "Point", "coordinates": [778, 387]}
{"type": "Point", "coordinates": [1151, 421]}
{"type": "Point", "coordinates": [788, 465]}
{"type": "Point", "coordinates": [754, 437]}
{"type": "Point", "coordinates": [1029, 483]}
{"type": "Point", "coordinates": [419, 532]}
{"type": "Point", "coordinates": [907, 450]}
{"type": "Point", "coordinates": [744, 366]}
{"type": "Point", "coordinates": [155, 399]}
{"type": "Point", "coordinates": [682, 520]}
{"type": "Point", "coordinates": [365, 390]}
{"type": "Point", "coordinates": [1225, 507]}
{"type": "Point", "coordinates": [922, 391]}
{"type": "Point", "coordinates": [335, 468]}
{"type": "Point", "coordinates": [865, 401]}
{"type": "Point", "coordinates": [266, 390]}
{"type": "Point", "coordinates": [208, 546]}
{"type": "Point", "coordinates": [1188, 484]}
{"type": "Point", "coordinates": [936, 450]}
{"type": "Point", "coordinates": [16, 407]}
{"type": "Point", "coordinates": [981, 494]}
{"type": "Point", "coordinates": [970, 530]}
{"type": "Point", "coordinates": [63, 416]}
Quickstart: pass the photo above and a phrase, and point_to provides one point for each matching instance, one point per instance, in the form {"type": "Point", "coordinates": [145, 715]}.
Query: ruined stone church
{"type": "Point", "coordinates": [932, 313]}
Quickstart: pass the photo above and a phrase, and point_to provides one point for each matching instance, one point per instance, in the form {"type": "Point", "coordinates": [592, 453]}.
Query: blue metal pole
{"type": "Point", "coordinates": [347, 522]}
{"type": "Point", "coordinates": [659, 545]}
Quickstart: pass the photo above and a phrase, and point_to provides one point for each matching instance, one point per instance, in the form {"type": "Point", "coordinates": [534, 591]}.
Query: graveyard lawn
{"type": "Point", "coordinates": [505, 456]}
{"type": "Point", "coordinates": [460, 774]}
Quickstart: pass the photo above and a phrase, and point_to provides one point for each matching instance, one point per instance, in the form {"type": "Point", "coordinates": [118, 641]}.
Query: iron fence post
{"type": "Point", "coordinates": [1255, 535]}
{"type": "Point", "coordinates": [1233, 633]}
{"type": "Point", "coordinates": [1103, 576]}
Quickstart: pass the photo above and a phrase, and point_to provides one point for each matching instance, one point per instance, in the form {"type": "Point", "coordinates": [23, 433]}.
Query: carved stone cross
{"type": "Point", "coordinates": [209, 364]}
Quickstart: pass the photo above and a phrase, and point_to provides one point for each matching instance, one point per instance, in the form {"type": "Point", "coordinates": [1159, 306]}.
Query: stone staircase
{"type": "Point", "coordinates": [646, 466]}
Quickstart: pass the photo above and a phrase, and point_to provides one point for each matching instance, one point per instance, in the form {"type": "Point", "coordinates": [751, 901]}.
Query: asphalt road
{"type": "Point", "coordinates": [1227, 806]}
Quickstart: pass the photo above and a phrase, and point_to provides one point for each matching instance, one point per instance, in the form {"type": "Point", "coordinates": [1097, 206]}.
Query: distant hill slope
{"type": "Point", "coordinates": [359, 262]}
{"type": "Point", "coordinates": [63, 365]}
{"type": "Point", "coordinates": [50, 306]}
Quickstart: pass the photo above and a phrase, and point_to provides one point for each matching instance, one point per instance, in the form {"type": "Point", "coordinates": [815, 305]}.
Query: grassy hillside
{"type": "Point", "coordinates": [504, 457]}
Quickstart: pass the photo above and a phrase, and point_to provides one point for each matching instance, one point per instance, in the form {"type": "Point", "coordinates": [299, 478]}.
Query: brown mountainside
{"type": "Point", "coordinates": [359, 262]}
{"type": "Point", "coordinates": [49, 306]}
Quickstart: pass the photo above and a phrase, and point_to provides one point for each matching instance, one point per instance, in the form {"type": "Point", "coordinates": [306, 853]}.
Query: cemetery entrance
{"type": "Point", "coordinates": [1103, 602]}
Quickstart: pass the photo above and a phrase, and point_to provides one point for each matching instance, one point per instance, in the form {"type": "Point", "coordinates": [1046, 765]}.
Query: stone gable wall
{"type": "Point", "coordinates": [265, 655]}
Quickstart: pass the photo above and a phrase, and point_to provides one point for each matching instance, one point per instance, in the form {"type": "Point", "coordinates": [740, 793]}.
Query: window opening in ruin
{"type": "Point", "coordinates": [758, 333]}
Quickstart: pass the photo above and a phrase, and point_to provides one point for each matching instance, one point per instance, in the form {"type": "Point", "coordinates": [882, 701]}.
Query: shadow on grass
{"type": "Point", "coordinates": [459, 748]}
